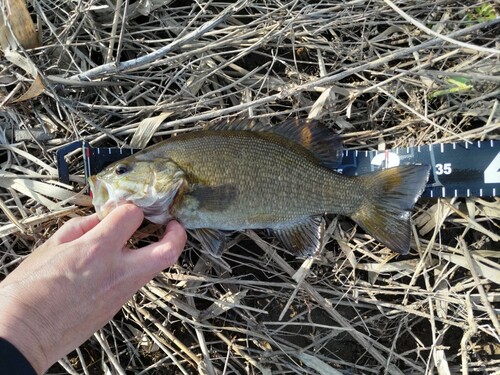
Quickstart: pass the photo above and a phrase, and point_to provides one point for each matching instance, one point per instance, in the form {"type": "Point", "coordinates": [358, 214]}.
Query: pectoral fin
{"type": "Point", "coordinates": [212, 240]}
{"type": "Point", "coordinates": [213, 198]}
{"type": "Point", "coordinates": [304, 238]}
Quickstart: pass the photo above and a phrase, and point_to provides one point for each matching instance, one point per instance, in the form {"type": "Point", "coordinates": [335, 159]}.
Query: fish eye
{"type": "Point", "coordinates": [121, 169]}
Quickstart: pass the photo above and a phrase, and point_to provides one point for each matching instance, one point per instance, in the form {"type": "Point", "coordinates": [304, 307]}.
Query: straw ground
{"type": "Point", "coordinates": [382, 74]}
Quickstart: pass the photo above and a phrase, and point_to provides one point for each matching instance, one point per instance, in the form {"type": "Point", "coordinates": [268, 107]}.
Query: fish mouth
{"type": "Point", "coordinates": [101, 198]}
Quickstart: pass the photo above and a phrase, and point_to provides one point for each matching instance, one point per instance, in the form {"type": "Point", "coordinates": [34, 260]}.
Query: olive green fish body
{"type": "Point", "coordinates": [249, 180]}
{"type": "Point", "coordinates": [246, 176]}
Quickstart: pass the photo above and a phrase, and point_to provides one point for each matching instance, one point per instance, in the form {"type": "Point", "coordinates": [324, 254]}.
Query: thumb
{"type": "Point", "coordinates": [70, 231]}
{"type": "Point", "coordinates": [117, 227]}
{"type": "Point", "coordinates": [73, 229]}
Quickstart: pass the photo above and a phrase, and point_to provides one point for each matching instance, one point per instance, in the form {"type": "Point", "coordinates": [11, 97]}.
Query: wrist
{"type": "Point", "coordinates": [15, 329]}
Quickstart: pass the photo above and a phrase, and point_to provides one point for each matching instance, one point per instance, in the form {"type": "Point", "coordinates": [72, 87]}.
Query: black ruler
{"type": "Point", "coordinates": [95, 159]}
{"type": "Point", "coordinates": [461, 169]}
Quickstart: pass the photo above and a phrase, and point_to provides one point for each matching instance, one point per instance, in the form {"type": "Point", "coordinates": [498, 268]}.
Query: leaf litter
{"type": "Point", "coordinates": [384, 74]}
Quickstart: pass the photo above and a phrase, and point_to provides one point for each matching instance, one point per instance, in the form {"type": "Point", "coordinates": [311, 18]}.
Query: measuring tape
{"type": "Point", "coordinates": [462, 169]}
{"type": "Point", "coordinates": [465, 169]}
{"type": "Point", "coordinates": [95, 159]}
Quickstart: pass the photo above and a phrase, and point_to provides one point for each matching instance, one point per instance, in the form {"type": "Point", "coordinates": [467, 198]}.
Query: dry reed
{"type": "Point", "coordinates": [381, 73]}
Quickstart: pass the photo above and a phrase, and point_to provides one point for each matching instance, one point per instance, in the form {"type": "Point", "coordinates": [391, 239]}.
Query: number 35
{"type": "Point", "coordinates": [444, 168]}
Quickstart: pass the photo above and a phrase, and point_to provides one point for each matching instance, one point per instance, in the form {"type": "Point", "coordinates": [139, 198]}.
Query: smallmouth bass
{"type": "Point", "coordinates": [246, 175]}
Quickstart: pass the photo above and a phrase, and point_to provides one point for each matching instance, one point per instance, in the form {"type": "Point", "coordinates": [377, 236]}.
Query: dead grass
{"type": "Point", "coordinates": [377, 72]}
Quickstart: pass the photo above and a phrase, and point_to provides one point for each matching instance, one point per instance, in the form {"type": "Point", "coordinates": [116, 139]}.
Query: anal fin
{"type": "Point", "coordinates": [304, 238]}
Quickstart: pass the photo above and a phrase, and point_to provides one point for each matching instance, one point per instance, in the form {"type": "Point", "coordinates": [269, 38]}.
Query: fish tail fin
{"type": "Point", "coordinates": [391, 195]}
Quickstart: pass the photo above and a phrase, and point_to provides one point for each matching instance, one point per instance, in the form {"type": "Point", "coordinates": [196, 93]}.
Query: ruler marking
{"type": "Point", "coordinates": [109, 151]}
{"type": "Point", "coordinates": [418, 148]}
{"type": "Point", "coordinates": [491, 142]}
{"type": "Point", "coordinates": [356, 153]}
{"type": "Point", "coordinates": [480, 192]}
{"type": "Point", "coordinates": [442, 147]}
{"type": "Point", "coordinates": [443, 192]}
{"type": "Point", "coordinates": [98, 151]}
{"type": "Point", "coordinates": [87, 157]}
{"type": "Point", "coordinates": [88, 167]}
{"type": "Point", "coordinates": [494, 192]}
{"type": "Point", "coordinates": [467, 145]}
{"type": "Point", "coordinates": [478, 144]}
{"type": "Point", "coordinates": [454, 145]}
{"type": "Point", "coordinates": [455, 193]}
{"type": "Point", "coordinates": [468, 192]}
{"type": "Point", "coordinates": [432, 193]}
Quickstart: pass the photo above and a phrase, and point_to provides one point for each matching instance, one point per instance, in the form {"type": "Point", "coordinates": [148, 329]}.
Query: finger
{"type": "Point", "coordinates": [157, 256]}
{"type": "Point", "coordinates": [74, 228]}
{"type": "Point", "coordinates": [117, 227]}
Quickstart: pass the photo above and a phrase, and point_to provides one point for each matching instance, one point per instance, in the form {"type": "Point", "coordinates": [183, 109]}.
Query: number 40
{"type": "Point", "coordinates": [492, 172]}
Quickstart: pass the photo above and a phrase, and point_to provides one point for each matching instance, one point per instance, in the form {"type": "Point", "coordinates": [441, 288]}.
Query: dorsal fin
{"type": "Point", "coordinates": [325, 145]}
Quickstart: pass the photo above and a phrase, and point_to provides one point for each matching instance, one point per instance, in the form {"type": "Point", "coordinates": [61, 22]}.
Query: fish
{"type": "Point", "coordinates": [245, 174]}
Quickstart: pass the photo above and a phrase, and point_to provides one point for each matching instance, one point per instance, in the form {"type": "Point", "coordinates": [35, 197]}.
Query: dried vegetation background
{"type": "Point", "coordinates": [380, 73]}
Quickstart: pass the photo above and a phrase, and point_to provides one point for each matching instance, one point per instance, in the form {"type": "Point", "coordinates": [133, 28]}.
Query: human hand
{"type": "Point", "coordinates": [75, 282]}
